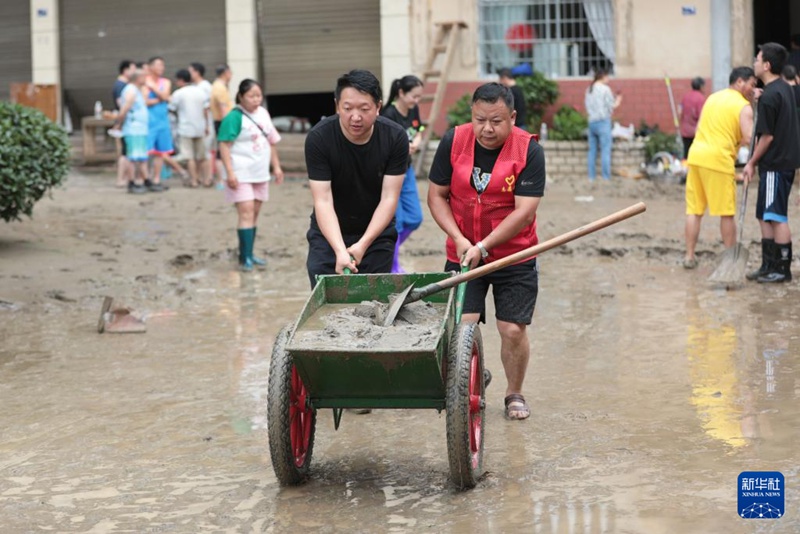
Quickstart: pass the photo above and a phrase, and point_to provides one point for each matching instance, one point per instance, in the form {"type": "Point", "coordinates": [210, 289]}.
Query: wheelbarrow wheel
{"type": "Point", "coordinates": [290, 420]}
{"type": "Point", "coordinates": [465, 406]}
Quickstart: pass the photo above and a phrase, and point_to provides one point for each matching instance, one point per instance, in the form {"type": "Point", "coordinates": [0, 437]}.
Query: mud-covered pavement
{"type": "Point", "coordinates": [650, 391]}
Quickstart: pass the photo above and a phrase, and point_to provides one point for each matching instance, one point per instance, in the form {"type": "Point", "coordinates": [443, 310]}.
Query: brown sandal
{"type": "Point", "coordinates": [524, 409]}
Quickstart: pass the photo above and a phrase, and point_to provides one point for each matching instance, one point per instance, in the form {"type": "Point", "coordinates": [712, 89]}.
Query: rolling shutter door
{"type": "Point", "coordinates": [97, 34]}
{"type": "Point", "coordinates": [15, 43]}
{"type": "Point", "coordinates": [306, 45]}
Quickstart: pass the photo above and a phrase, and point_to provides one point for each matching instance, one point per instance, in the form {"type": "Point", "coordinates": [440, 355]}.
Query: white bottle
{"type": "Point", "coordinates": [98, 110]}
{"type": "Point", "coordinates": [543, 132]}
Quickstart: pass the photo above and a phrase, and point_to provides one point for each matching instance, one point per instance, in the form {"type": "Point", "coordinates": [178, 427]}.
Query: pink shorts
{"type": "Point", "coordinates": [246, 191]}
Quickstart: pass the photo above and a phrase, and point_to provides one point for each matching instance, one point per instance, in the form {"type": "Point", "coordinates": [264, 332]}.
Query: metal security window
{"type": "Point", "coordinates": [556, 37]}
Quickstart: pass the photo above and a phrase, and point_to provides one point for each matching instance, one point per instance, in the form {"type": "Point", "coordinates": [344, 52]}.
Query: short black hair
{"type": "Point", "coordinates": [154, 59]}
{"type": "Point", "coordinates": [741, 73]}
{"type": "Point", "coordinates": [199, 67]}
{"type": "Point", "coordinates": [124, 65]}
{"type": "Point", "coordinates": [140, 64]}
{"type": "Point", "coordinates": [184, 75]}
{"type": "Point", "coordinates": [221, 69]}
{"type": "Point", "coordinates": [492, 92]}
{"type": "Point", "coordinates": [776, 54]}
{"type": "Point", "coordinates": [697, 83]}
{"type": "Point", "coordinates": [362, 81]}
{"type": "Point", "coordinates": [789, 72]}
{"type": "Point", "coordinates": [505, 73]}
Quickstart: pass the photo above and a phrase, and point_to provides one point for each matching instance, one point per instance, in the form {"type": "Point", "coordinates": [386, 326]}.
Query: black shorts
{"type": "Point", "coordinates": [216, 132]}
{"type": "Point", "coordinates": [377, 259]}
{"type": "Point", "coordinates": [514, 289]}
{"type": "Point", "coordinates": [123, 148]}
{"type": "Point", "coordinates": [773, 195]}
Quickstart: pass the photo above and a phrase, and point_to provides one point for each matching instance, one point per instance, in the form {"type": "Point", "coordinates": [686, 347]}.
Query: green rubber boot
{"type": "Point", "coordinates": [246, 239]}
{"type": "Point", "coordinates": [258, 262]}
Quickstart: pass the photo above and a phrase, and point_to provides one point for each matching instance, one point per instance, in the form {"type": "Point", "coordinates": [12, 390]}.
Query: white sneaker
{"type": "Point", "coordinates": [114, 132]}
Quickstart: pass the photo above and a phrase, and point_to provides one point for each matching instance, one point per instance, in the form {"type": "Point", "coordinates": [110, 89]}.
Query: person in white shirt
{"type": "Point", "coordinates": [198, 71]}
{"type": "Point", "coordinates": [246, 143]}
{"type": "Point", "coordinates": [190, 104]}
{"type": "Point", "coordinates": [600, 104]}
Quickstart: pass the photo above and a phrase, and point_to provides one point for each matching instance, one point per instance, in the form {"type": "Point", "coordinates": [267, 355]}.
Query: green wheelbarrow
{"type": "Point", "coordinates": [442, 370]}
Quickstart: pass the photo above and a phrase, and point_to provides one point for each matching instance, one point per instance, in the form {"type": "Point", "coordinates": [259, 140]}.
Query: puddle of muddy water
{"type": "Point", "coordinates": [649, 395]}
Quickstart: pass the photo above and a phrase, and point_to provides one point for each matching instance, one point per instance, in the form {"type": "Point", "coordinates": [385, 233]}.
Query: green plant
{"type": "Point", "coordinates": [460, 112]}
{"type": "Point", "coordinates": [659, 141]}
{"type": "Point", "coordinates": [540, 93]}
{"type": "Point", "coordinates": [568, 125]}
{"type": "Point", "coordinates": [34, 157]}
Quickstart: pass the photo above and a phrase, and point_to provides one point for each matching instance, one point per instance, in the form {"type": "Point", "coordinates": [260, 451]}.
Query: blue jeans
{"type": "Point", "coordinates": [600, 132]}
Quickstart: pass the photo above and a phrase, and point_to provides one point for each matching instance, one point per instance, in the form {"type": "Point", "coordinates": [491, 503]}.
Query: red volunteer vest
{"type": "Point", "coordinates": [476, 215]}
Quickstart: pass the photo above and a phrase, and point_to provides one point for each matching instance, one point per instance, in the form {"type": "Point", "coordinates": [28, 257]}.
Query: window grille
{"type": "Point", "coordinates": [559, 38]}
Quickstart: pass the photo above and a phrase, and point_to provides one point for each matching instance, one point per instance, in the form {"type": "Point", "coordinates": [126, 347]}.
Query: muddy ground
{"type": "Point", "coordinates": [650, 390]}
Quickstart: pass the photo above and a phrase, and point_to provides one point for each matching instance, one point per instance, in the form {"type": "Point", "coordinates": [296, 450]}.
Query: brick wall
{"type": "Point", "coordinates": [641, 99]}
{"type": "Point", "coordinates": [565, 159]}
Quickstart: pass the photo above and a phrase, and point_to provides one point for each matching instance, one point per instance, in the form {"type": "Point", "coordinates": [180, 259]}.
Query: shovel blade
{"type": "Point", "coordinates": [732, 267]}
{"type": "Point", "coordinates": [395, 305]}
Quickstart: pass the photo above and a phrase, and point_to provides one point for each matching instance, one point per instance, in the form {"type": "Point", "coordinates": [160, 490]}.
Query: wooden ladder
{"type": "Point", "coordinates": [445, 42]}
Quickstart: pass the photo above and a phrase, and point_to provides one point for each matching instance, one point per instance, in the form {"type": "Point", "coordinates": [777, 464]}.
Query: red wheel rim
{"type": "Point", "coordinates": [475, 406]}
{"type": "Point", "coordinates": [299, 419]}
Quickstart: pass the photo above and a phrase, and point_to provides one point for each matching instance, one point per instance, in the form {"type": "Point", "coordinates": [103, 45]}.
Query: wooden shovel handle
{"type": "Point", "coordinates": [530, 252]}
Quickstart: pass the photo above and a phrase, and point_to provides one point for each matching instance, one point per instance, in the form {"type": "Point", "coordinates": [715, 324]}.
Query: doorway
{"type": "Point", "coordinates": [775, 21]}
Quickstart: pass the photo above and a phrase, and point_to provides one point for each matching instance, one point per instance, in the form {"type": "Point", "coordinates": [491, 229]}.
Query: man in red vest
{"type": "Point", "coordinates": [486, 182]}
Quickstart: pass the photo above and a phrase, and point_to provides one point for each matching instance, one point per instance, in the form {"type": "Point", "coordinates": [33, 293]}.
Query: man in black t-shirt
{"type": "Point", "coordinates": [507, 79]}
{"type": "Point", "coordinates": [486, 204]}
{"type": "Point", "coordinates": [777, 154]}
{"type": "Point", "coordinates": [356, 164]}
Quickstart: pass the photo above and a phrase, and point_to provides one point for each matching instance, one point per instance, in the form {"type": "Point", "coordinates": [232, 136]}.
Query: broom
{"type": "Point", "coordinates": [733, 264]}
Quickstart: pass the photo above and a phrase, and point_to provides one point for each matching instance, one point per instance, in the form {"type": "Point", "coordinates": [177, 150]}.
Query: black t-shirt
{"type": "Point", "coordinates": [355, 171]}
{"type": "Point", "coordinates": [777, 116]}
{"type": "Point", "coordinates": [411, 123]}
{"type": "Point", "coordinates": [519, 106]}
{"type": "Point", "coordinates": [530, 182]}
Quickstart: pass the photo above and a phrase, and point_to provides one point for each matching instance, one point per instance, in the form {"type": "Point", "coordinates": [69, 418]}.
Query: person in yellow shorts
{"type": "Point", "coordinates": [726, 122]}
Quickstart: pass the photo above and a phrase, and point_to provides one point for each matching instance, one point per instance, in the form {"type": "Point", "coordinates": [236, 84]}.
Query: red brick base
{"type": "Point", "coordinates": [641, 99]}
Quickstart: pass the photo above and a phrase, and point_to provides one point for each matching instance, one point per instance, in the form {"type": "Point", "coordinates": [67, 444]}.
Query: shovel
{"type": "Point", "coordinates": [733, 263]}
{"type": "Point", "coordinates": [409, 294]}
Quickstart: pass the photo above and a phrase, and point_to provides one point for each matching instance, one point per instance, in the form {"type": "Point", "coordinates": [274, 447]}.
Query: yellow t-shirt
{"type": "Point", "coordinates": [220, 97]}
{"type": "Point", "coordinates": [718, 132]}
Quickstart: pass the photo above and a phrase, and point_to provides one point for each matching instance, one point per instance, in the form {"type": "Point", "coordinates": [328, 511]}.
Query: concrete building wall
{"type": "Point", "coordinates": [652, 39]}
{"type": "Point", "coordinates": [657, 37]}
{"type": "Point", "coordinates": [395, 41]}
{"type": "Point", "coordinates": [425, 14]}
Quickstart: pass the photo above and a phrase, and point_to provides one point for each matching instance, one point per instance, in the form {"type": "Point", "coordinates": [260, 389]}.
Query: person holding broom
{"type": "Point", "coordinates": [777, 154]}
{"type": "Point", "coordinates": [726, 122]}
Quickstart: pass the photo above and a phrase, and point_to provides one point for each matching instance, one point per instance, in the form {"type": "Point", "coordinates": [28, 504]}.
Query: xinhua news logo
{"type": "Point", "coordinates": [761, 495]}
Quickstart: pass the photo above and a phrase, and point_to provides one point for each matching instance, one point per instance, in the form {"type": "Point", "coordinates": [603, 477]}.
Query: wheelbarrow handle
{"type": "Point", "coordinates": [528, 253]}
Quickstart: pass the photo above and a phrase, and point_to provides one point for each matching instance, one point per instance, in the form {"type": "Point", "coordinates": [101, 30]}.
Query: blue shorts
{"type": "Point", "coordinates": [773, 195]}
{"type": "Point", "coordinates": [409, 210]}
{"type": "Point", "coordinates": [136, 147]}
{"type": "Point", "coordinates": [159, 141]}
